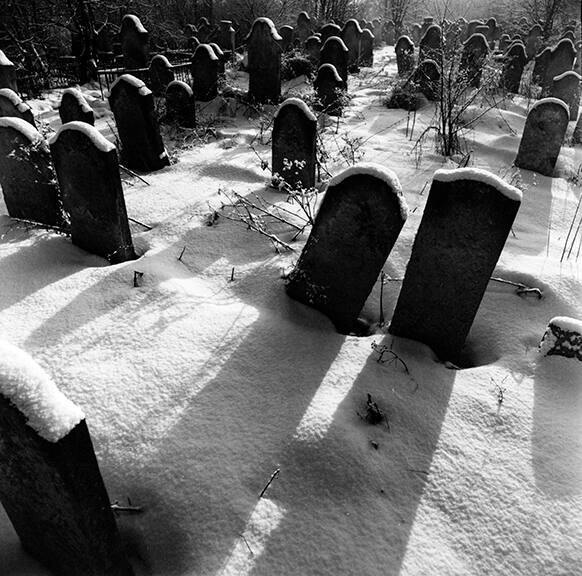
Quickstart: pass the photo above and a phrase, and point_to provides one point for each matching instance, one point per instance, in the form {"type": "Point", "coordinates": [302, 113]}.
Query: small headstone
{"type": "Point", "coordinates": [533, 41]}
{"type": "Point", "coordinates": [563, 337]}
{"type": "Point", "coordinates": [132, 104]}
{"type": "Point", "coordinates": [431, 47]}
{"type": "Point", "coordinates": [330, 88]}
{"type": "Point", "coordinates": [51, 486]}
{"type": "Point", "coordinates": [193, 43]}
{"type": "Point", "coordinates": [286, 33]}
{"type": "Point", "coordinates": [88, 172]}
{"type": "Point", "coordinates": [404, 50]}
{"type": "Point", "coordinates": [493, 32]}
{"type": "Point", "coordinates": [367, 48]}
{"type": "Point", "coordinates": [335, 52]}
{"type": "Point", "coordinates": [264, 56]}
{"type": "Point", "coordinates": [561, 60]}
{"type": "Point", "coordinates": [221, 55]}
{"type": "Point", "coordinates": [134, 42]}
{"type": "Point", "coordinates": [11, 105]}
{"type": "Point", "coordinates": [427, 77]}
{"type": "Point", "coordinates": [466, 221]}
{"type": "Point", "coordinates": [304, 28]}
{"type": "Point", "coordinates": [204, 73]}
{"type": "Point", "coordinates": [161, 74]}
{"type": "Point", "coordinates": [356, 227]}
{"type": "Point", "coordinates": [7, 73]}
{"type": "Point", "coordinates": [180, 104]}
{"type": "Point", "coordinates": [328, 31]}
{"type": "Point", "coordinates": [75, 107]}
{"type": "Point", "coordinates": [313, 49]}
{"type": "Point", "coordinates": [293, 149]}
{"type": "Point", "coordinates": [514, 62]}
{"type": "Point", "coordinates": [483, 29]}
{"type": "Point", "coordinates": [226, 36]}
{"type": "Point", "coordinates": [543, 134]}
{"type": "Point", "coordinates": [542, 61]}
{"type": "Point", "coordinates": [475, 52]}
{"type": "Point", "coordinates": [26, 174]}
{"type": "Point", "coordinates": [566, 87]}
{"type": "Point", "coordinates": [427, 22]}
{"type": "Point", "coordinates": [352, 36]}
{"type": "Point", "coordinates": [416, 33]}
{"type": "Point", "coordinates": [389, 33]}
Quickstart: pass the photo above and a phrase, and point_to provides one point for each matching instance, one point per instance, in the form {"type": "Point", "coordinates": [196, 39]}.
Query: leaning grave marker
{"type": "Point", "coordinates": [74, 107]}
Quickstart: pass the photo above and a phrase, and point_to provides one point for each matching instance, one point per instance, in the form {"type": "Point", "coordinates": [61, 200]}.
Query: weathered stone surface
{"type": "Point", "coordinates": [161, 74]}
{"type": "Point", "coordinates": [427, 77]}
{"type": "Point", "coordinates": [204, 73]}
{"type": "Point", "coordinates": [355, 229]}
{"type": "Point", "coordinates": [7, 73]}
{"type": "Point", "coordinates": [388, 33]}
{"type": "Point", "coordinates": [563, 337]}
{"type": "Point", "coordinates": [303, 28]}
{"type": "Point", "coordinates": [367, 48]}
{"type": "Point", "coordinates": [465, 224]}
{"type": "Point", "coordinates": [226, 36]}
{"type": "Point", "coordinates": [293, 148]}
{"type": "Point", "coordinates": [566, 87]}
{"type": "Point", "coordinates": [26, 174]}
{"type": "Point", "coordinates": [415, 33]}
{"type": "Point", "coordinates": [328, 31]}
{"type": "Point", "coordinates": [404, 50]}
{"type": "Point", "coordinates": [221, 55]}
{"type": "Point", "coordinates": [330, 88]}
{"type": "Point", "coordinates": [561, 60]}
{"type": "Point", "coordinates": [75, 107]}
{"type": "Point", "coordinates": [88, 172]}
{"type": "Point", "coordinates": [352, 37]}
{"type": "Point", "coordinates": [431, 47]}
{"type": "Point", "coordinates": [134, 42]}
{"type": "Point", "coordinates": [132, 104]}
{"type": "Point", "coordinates": [11, 105]}
{"type": "Point", "coordinates": [335, 52]}
{"type": "Point", "coordinates": [287, 34]}
{"type": "Point", "coordinates": [264, 54]}
{"type": "Point", "coordinates": [533, 41]}
{"type": "Point", "coordinates": [180, 104]}
{"type": "Point", "coordinates": [543, 134]}
{"type": "Point", "coordinates": [313, 49]}
{"type": "Point", "coordinates": [542, 60]}
{"type": "Point", "coordinates": [475, 52]}
{"type": "Point", "coordinates": [513, 64]}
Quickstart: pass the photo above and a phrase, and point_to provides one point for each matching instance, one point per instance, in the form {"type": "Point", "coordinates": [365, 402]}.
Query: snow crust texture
{"type": "Point", "coordinates": [98, 140]}
{"type": "Point", "coordinates": [479, 175]}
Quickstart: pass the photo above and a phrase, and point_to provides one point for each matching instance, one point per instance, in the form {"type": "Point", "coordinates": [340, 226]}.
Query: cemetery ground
{"type": "Point", "coordinates": [243, 434]}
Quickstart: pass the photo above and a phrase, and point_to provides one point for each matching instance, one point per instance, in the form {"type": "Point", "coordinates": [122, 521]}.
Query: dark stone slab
{"type": "Point", "coordinates": [352, 36]}
{"type": "Point", "coordinates": [427, 77]}
{"type": "Point", "coordinates": [180, 104]}
{"type": "Point", "coordinates": [303, 28]}
{"type": "Point", "coordinates": [464, 227]}
{"type": "Point", "coordinates": [204, 73]}
{"type": "Point", "coordinates": [475, 52]}
{"type": "Point", "coordinates": [88, 172]}
{"type": "Point", "coordinates": [11, 105]}
{"type": "Point", "coordinates": [367, 48]}
{"type": "Point", "coordinates": [404, 50]}
{"type": "Point", "coordinates": [431, 47]}
{"type": "Point", "coordinates": [514, 62]}
{"type": "Point", "coordinates": [335, 52]}
{"type": "Point", "coordinates": [355, 229]}
{"type": "Point", "coordinates": [134, 42]}
{"type": "Point", "coordinates": [287, 34]}
{"type": "Point", "coordinates": [75, 107]}
{"type": "Point", "coordinates": [566, 87]}
{"type": "Point", "coordinates": [330, 88]}
{"type": "Point", "coordinates": [161, 74]}
{"type": "Point", "coordinates": [328, 31]}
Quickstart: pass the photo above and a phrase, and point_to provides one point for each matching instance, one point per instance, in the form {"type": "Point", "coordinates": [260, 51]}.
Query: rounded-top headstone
{"type": "Point", "coordinates": [11, 105]}
{"type": "Point", "coordinates": [7, 73]}
{"type": "Point", "coordinates": [566, 87]}
{"type": "Point", "coordinates": [161, 74]}
{"type": "Point", "coordinates": [75, 107]}
{"type": "Point", "coordinates": [134, 42]}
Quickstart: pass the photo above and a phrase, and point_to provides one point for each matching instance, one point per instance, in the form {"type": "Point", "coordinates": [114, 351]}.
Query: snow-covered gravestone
{"type": "Point", "coordinates": [504, 42]}
{"type": "Point", "coordinates": [7, 73]}
{"type": "Point", "coordinates": [540, 66]}
{"type": "Point", "coordinates": [264, 57]}
{"type": "Point", "coordinates": [11, 105]}
{"type": "Point", "coordinates": [473, 56]}
{"type": "Point", "coordinates": [416, 32]}
{"type": "Point", "coordinates": [26, 174]}
{"type": "Point", "coordinates": [132, 104]}
{"type": "Point", "coordinates": [566, 87]}
{"type": "Point", "coordinates": [514, 62]}
{"type": "Point", "coordinates": [367, 48]}
{"type": "Point", "coordinates": [75, 107]}
{"type": "Point", "coordinates": [563, 337]}
{"type": "Point", "coordinates": [88, 173]}
{"type": "Point", "coordinates": [466, 221]}
{"type": "Point", "coordinates": [134, 42]}
{"type": "Point", "coordinates": [543, 134]}
{"type": "Point", "coordinates": [313, 49]}
{"type": "Point", "coordinates": [286, 33]}
{"type": "Point", "coordinates": [204, 73]}
{"type": "Point", "coordinates": [293, 149]}
{"type": "Point", "coordinates": [303, 28]}
{"type": "Point", "coordinates": [533, 40]}
{"type": "Point", "coordinates": [431, 46]}
{"type": "Point", "coordinates": [180, 104]}
{"type": "Point", "coordinates": [328, 31]}
{"type": "Point", "coordinates": [427, 77]}
{"type": "Point", "coordinates": [562, 58]}
{"type": "Point", "coordinates": [404, 50]}
{"type": "Point", "coordinates": [330, 88]}
{"type": "Point", "coordinates": [351, 34]}
{"type": "Point", "coordinates": [50, 483]}
{"type": "Point", "coordinates": [335, 52]}
{"type": "Point", "coordinates": [161, 74]}
{"type": "Point", "coordinates": [356, 227]}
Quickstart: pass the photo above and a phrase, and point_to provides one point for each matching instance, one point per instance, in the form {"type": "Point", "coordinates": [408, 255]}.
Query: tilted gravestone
{"type": "Point", "coordinates": [313, 49]}
{"type": "Point", "coordinates": [132, 104]}
{"type": "Point", "coordinates": [543, 134]}
{"type": "Point", "coordinates": [475, 52]}
{"type": "Point", "coordinates": [26, 174]}
{"type": "Point", "coordinates": [533, 41]}
{"type": "Point", "coordinates": [75, 107]}
{"type": "Point", "coordinates": [352, 36]}
{"type": "Point", "coordinates": [328, 31]}
{"type": "Point", "coordinates": [335, 52]}
{"type": "Point", "coordinates": [88, 172]}
{"type": "Point", "coordinates": [50, 485]}
{"type": "Point", "coordinates": [286, 33]}
{"type": "Point", "coordinates": [180, 104]}
{"type": "Point", "coordinates": [330, 88]}
{"type": "Point", "coordinates": [466, 221]}
{"type": "Point", "coordinates": [561, 60]}
{"type": "Point", "coordinates": [355, 229]}
{"type": "Point", "coordinates": [566, 87]}
{"type": "Point", "coordinates": [134, 42]}
{"type": "Point", "coordinates": [493, 32]}
{"type": "Point", "coordinates": [264, 55]}
{"type": "Point", "coordinates": [431, 47]}
{"type": "Point", "coordinates": [7, 73]}
{"type": "Point", "coordinates": [204, 73]}
{"type": "Point", "coordinates": [514, 62]}
{"type": "Point", "coordinates": [542, 60]}
{"type": "Point", "coordinates": [367, 48]}
{"type": "Point", "coordinates": [161, 74]}
{"type": "Point", "coordinates": [404, 50]}
{"type": "Point", "coordinates": [11, 105]}
{"type": "Point", "coordinates": [303, 28]}
{"type": "Point", "coordinates": [293, 148]}
{"type": "Point", "coordinates": [427, 78]}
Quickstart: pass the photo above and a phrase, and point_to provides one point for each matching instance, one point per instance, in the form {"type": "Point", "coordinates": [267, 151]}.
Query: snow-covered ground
{"type": "Point", "coordinates": [197, 388]}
